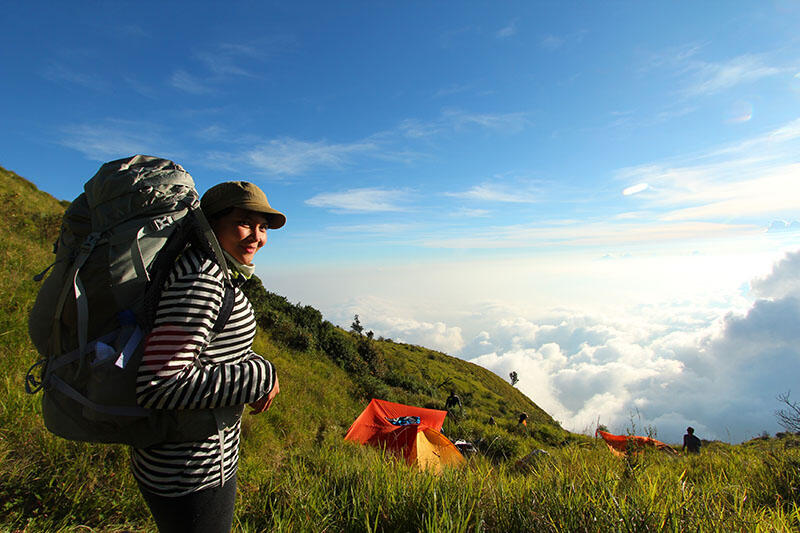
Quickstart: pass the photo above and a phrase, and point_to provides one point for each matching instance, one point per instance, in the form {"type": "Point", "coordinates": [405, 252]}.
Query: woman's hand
{"type": "Point", "coordinates": [263, 404]}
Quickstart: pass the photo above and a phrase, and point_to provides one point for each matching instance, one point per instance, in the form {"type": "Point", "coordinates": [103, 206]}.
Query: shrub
{"type": "Point", "coordinates": [340, 347]}
{"type": "Point", "coordinates": [372, 387]}
{"type": "Point", "coordinates": [369, 352]}
{"type": "Point", "coordinates": [306, 317]}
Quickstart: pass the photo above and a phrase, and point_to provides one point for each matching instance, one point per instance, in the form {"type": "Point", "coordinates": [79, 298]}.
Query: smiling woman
{"type": "Point", "coordinates": [191, 486]}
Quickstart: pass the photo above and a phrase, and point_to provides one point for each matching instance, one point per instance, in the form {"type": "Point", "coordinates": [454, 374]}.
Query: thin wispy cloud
{"type": "Point", "coordinates": [386, 229]}
{"type": "Point", "coordinates": [755, 177]}
{"type": "Point", "coordinates": [509, 122]}
{"type": "Point", "coordinates": [452, 89]}
{"type": "Point", "coordinates": [676, 57]}
{"type": "Point", "coordinates": [416, 129]}
{"type": "Point", "coordinates": [584, 234]}
{"type": "Point", "coordinates": [114, 139]}
{"type": "Point", "coordinates": [184, 81]}
{"type": "Point", "coordinates": [225, 59]}
{"type": "Point", "coordinates": [459, 120]}
{"type": "Point", "coordinates": [673, 112]}
{"type": "Point", "coordinates": [495, 193]}
{"type": "Point", "coordinates": [765, 195]}
{"type": "Point", "coordinates": [219, 64]}
{"type": "Point", "coordinates": [740, 113]}
{"type": "Point", "coordinates": [507, 31]}
{"type": "Point", "coordinates": [711, 78]}
{"type": "Point", "coordinates": [134, 31]}
{"type": "Point", "coordinates": [60, 72]}
{"type": "Point", "coordinates": [552, 42]}
{"type": "Point", "coordinates": [293, 157]}
{"type": "Point", "coordinates": [467, 213]}
{"type": "Point", "coordinates": [138, 86]}
{"type": "Point", "coordinates": [366, 200]}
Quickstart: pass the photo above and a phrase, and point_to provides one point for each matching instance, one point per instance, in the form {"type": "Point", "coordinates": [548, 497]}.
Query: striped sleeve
{"type": "Point", "coordinates": [177, 371]}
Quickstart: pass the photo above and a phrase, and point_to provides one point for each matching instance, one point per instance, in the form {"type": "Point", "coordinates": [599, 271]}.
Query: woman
{"type": "Point", "coordinates": [192, 486]}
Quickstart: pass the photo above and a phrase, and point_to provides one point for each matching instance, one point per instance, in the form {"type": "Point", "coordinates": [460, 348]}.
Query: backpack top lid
{"type": "Point", "coordinates": [137, 185]}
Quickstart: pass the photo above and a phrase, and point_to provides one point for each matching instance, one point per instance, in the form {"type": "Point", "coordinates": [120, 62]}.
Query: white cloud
{"type": "Point", "coordinates": [218, 65]}
{"type": "Point", "coordinates": [184, 81]}
{"type": "Point", "coordinates": [223, 61]}
{"type": "Point", "coordinates": [771, 192]}
{"type": "Point", "coordinates": [783, 280]}
{"type": "Point", "coordinates": [452, 89]}
{"type": "Point", "coordinates": [755, 177]}
{"type": "Point", "coordinates": [388, 229]}
{"type": "Point", "coordinates": [507, 122]}
{"type": "Point", "coordinates": [291, 156]}
{"type": "Point", "coordinates": [618, 232]}
{"type": "Point", "coordinates": [465, 212]}
{"type": "Point", "coordinates": [633, 189]}
{"type": "Point", "coordinates": [114, 139]}
{"type": "Point", "coordinates": [592, 338]}
{"type": "Point", "coordinates": [457, 120]}
{"type": "Point", "coordinates": [718, 375]}
{"type": "Point", "coordinates": [552, 42]}
{"type": "Point", "coordinates": [782, 226]}
{"type": "Point", "coordinates": [711, 78]}
{"type": "Point", "coordinates": [416, 129]}
{"type": "Point", "coordinates": [495, 193]}
{"type": "Point", "coordinates": [436, 335]}
{"type": "Point", "coordinates": [58, 72]}
{"type": "Point", "coordinates": [507, 31]}
{"type": "Point", "coordinates": [367, 200]}
{"type": "Point", "coordinates": [740, 112]}
{"type": "Point", "coordinates": [388, 319]}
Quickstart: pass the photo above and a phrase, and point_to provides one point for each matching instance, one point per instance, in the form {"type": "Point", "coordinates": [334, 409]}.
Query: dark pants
{"type": "Point", "coordinates": [204, 511]}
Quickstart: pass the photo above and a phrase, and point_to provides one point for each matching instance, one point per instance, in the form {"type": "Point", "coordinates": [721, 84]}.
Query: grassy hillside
{"type": "Point", "coordinates": [297, 473]}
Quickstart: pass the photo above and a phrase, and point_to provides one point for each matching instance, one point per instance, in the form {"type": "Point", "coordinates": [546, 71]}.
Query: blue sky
{"type": "Point", "coordinates": [591, 194]}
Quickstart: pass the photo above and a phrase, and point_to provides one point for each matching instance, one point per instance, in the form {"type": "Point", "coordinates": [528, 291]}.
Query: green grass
{"type": "Point", "coordinates": [341, 487]}
{"type": "Point", "coordinates": [298, 474]}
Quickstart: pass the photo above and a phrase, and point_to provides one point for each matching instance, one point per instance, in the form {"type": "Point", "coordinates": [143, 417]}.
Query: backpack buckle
{"type": "Point", "coordinates": [89, 242]}
{"type": "Point", "coordinates": [161, 223]}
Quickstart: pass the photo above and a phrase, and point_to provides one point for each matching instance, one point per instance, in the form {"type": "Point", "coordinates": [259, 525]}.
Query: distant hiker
{"type": "Point", "coordinates": [452, 402]}
{"type": "Point", "coordinates": [192, 486]}
{"type": "Point", "coordinates": [491, 421]}
{"type": "Point", "coordinates": [523, 419]}
{"type": "Point", "coordinates": [690, 441]}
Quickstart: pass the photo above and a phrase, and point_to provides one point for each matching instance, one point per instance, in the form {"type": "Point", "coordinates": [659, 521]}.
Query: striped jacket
{"type": "Point", "coordinates": [184, 368]}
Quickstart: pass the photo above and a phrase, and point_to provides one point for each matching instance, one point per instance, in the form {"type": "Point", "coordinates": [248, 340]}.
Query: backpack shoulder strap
{"type": "Point", "coordinates": [225, 310]}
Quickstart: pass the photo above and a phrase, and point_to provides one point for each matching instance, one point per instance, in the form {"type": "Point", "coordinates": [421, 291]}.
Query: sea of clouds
{"type": "Point", "coordinates": [651, 365]}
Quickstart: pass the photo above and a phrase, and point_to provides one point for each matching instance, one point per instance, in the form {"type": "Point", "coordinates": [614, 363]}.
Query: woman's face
{"type": "Point", "coordinates": [241, 233]}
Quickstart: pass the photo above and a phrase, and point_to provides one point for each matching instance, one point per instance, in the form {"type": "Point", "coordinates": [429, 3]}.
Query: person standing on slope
{"type": "Point", "coordinates": [690, 441]}
{"type": "Point", "coordinates": [191, 486]}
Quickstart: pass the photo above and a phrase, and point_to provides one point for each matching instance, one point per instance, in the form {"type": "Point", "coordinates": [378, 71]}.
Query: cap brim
{"type": "Point", "coordinates": [275, 218]}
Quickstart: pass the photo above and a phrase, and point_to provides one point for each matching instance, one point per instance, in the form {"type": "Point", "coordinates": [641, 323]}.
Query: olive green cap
{"type": "Point", "coordinates": [241, 194]}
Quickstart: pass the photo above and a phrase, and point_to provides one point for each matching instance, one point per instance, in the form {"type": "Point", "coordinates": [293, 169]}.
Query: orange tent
{"type": "Point", "coordinates": [413, 432]}
{"type": "Point", "coordinates": [624, 444]}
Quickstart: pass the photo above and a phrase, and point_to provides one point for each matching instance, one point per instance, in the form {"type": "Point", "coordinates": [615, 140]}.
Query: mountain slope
{"type": "Point", "coordinates": [327, 376]}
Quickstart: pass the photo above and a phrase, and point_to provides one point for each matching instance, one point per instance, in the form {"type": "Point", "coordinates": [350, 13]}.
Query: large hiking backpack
{"type": "Point", "coordinates": [118, 243]}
